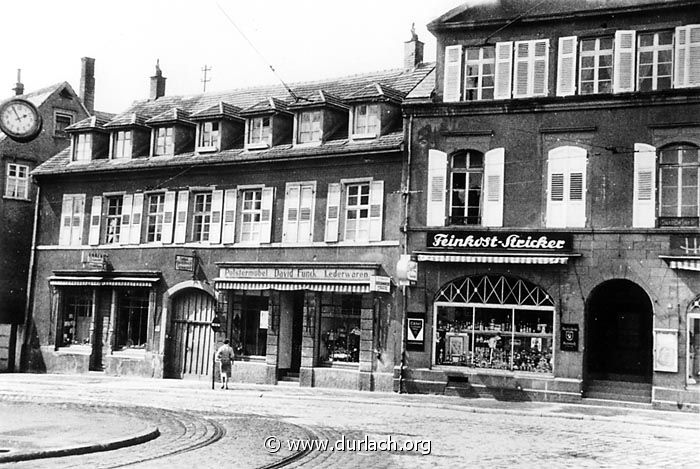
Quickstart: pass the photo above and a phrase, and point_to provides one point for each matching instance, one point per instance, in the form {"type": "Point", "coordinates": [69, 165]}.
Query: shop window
{"type": "Point", "coordinates": [466, 181]}
{"type": "Point", "coordinates": [479, 70]}
{"type": "Point", "coordinates": [114, 219]}
{"type": "Point", "coordinates": [121, 144]}
{"type": "Point", "coordinates": [132, 318]}
{"type": "Point", "coordinates": [694, 344]}
{"type": "Point", "coordinates": [655, 60]}
{"type": "Point", "coordinates": [76, 311]}
{"type": "Point", "coordinates": [340, 328]}
{"type": "Point", "coordinates": [156, 214]}
{"type": "Point", "coordinates": [17, 181]}
{"type": "Point", "coordinates": [679, 181]}
{"type": "Point", "coordinates": [250, 323]}
{"type": "Point", "coordinates": [596, 65]}
{"type": "Point", "coordinates": [163, 141]}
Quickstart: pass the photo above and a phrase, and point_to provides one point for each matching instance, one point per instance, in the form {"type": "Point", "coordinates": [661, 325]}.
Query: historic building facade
{"type": "Point", "coordinates": [554, 204]}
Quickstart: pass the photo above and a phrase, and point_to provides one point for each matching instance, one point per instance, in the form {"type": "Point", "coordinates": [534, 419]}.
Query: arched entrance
{"type": "Point", "coordinates": [619, 325]}
{"type": "Point", "coordinates": [193, 344]}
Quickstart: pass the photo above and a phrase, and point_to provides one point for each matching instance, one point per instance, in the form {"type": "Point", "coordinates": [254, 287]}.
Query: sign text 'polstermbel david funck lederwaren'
{"type": "Point", "coordinates": [501, 241]}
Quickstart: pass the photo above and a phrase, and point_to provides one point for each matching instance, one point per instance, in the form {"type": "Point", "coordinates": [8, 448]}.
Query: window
{"type": "Point", "coordinates": [357, 212]}
{"type": "Point", "coordinates": [132, 318]}
{"type": "Point", "coordinates": [298, 213]}
{"type": "Point", "coordinates": [566, 200]}
{"type": "Point", "coordinates": [17, 181]}
{"type": "Point", "coordinates": [164, 144]}
{"type": "Point", "coordinates": [479, 73]}
{"type": "Point", "coordinates": [251, 215]}
{"type": "Point", "coordinates": [76, 317]}
{"type": "Point", "coordinates": [114, 219]}
{"type": "Point", "coordinates": [466, 180]}
{"type": "Point", "coordinates": [209, 134]}
{"type": "Point", "coordinates": [156, 212]}
{"type": "Point", "coordinates": [82, 150]}
{"type": "Point", "coordinates": [693, 358]}
{"type": "Point", "coordinates": [248, 329]}
{"type": "Point", "coordinates": [122, 144]}
{"type": "Point", "coordinates": [530, 68]}
{"type": "Point", "coordinates": [259, 131]}
{"type": "Point", "coordinates": [310, 129]}
{"type": "Point", "coordinates": [72, 213]}
{"type": "Point", "coordinates": [596, 65]}
{"type": "Point", "coordinates": [654, 61]}
{"type": "Point", "coordinates": [679, 181]}
{"type": "Point", "coordinates": [201, 220]}
{"type": "Point", "coordinates": [340, 328]}
{"type": "Point", "coordinates": [367, 119]}
{"type": "Point", "coordinates": [61, 121]}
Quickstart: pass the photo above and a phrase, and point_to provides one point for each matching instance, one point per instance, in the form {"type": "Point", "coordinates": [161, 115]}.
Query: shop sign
{"type": "Point", "coordinates": [678, 222]}
{"type": "Point", "coordinates": [95, 260]}
{"type": "Point", "coordinates": [569, 337]}
{"type": "Point", "coordinates": [415, 332]}
{"type": "Point", "coordinates": [380, 284]}
{"type": "Point", "coordinates": [685, 245]}
{"type": "Point", "coordinates": [481, 241]}
{"type": "Point", "coordinates": [216, 324]}
{"type": "Point", "coordinates": [297, 273]}
{"type": "Point", "coordinates": [406, 270]}
{"type": "Point", "coordinates": [666, 350]}
{"type": "Point", "coordinates": [185, 263]}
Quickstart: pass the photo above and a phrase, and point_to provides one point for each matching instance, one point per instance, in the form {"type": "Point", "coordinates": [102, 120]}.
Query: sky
{"type": "Point", "coordinates": [303, 40]}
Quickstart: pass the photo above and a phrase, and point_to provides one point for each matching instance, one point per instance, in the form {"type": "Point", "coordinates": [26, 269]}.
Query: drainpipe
{"type": "Point", "coordinates": [404, 291]}
{"type": "Point", "coordinates": [30, 277]}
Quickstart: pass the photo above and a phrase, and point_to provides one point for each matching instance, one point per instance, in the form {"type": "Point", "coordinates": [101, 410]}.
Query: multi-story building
{"type": "Point", "coordinates": [59, 107]}
{"type": "Point", "coordinates": [554, 203]}
{"type": "Point", "coordinates": [270, 213]}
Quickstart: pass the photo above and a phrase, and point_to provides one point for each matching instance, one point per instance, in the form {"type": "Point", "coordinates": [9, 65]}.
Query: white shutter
{"type": "Point", "coordinates": [521, 69]}
{"type": "Point", "coordinates": [494, 164]}
{"type": "Point", "coordinates": [376, 210]}
{"type": "Point", "coordinates": [644, 194]}
{"type": "Point", "coordinates": [291, 214]}
{"type": "Point", "coordinates": [540, 67]}
{"type": "Point", "coordinates": [332, 212]}
{"type": "Point", "coordinates": [437, 189]}
{"type": "Point", "coordinates": [453, 73]}
{"type": "Point", "coordinates": [566, 189]}
{"type": "Point", "coordinates": [566, 66]}
{"type": "Point", "coordinates": [217, 202]}
{"type": "Point", "coordinates": [576, 209]}
{"type": "Point", "coordinates": [76, 237]}
{"type": "Point", "coordinates": [229, 229]}
{"type": "Point", "coordinates": [687, 59]}
{"type": "Point", "coordinates": [127, 204]}
{"type": "Point", "coordinates": [268, 198]}
{"type": "Point", "coordinates": [503, 70]}
{"type": "Point", "coordinates": [183, 200]}
{"type": "Point", "coordinates": [95, 217]}
{"type": "Point", "coordinates": [306, 214]}
{"type": "Point", "coordinates": [531, 66]}
{"type": "Point", "coordinates": [136, 217]}
{"type": "Point", "coordinates": [168, 217]}
{"type": "Point", "coordinates": [64, 238]}
{"type": "Point", "coordinates": [624, 59]}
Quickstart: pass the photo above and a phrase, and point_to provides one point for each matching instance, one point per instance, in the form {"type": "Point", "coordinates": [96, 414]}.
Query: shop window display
{"type": "Point", "coordinates": [132, 318]}
{"type": "Point", "coordinates": [77, 317]}
{"type": "Point", "coordinates": [250, 323]}
{"type": "Point", "coordinates": [340, 328]}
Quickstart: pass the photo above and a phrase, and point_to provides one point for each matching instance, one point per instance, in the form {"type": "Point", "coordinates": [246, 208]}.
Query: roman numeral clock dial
{"type": "Point", "coordinates": [20, 120]}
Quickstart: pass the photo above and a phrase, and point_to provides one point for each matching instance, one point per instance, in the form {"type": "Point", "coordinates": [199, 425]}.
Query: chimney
{"type": "Point", "coordinates": [412, 51]}
{"type": "Point", "coordinates": [19, 86]}
{"type": "Point", "coordinates": [87, 83]}
{"type": "Point", "coordinates": [157, 83]}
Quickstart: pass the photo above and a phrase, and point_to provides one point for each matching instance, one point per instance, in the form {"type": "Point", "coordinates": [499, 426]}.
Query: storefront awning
{"type": "Point", "coordinates": [495, 258]}
{"type": "Point", "coordinates": [100, 281]}
{"type": "Point", "coordinates": [241, 284]}
{"type": "Point", "coordinates": [683, 262]}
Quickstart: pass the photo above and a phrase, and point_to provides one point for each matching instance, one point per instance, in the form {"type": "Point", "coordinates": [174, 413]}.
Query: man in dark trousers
{"type": "Point", "coordinates": [225, 356]}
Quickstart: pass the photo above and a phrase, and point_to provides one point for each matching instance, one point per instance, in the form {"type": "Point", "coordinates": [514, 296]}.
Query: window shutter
{"type": "Point", "coordinates": [437, 190]}
{"type": "Point", "coordinates": [576, 207]}
{"type": "Point", "coordinates": [624, 59]}
{"type": "Point", "coordinates": [136, 216]}
{"type": "Point", "coordinates": [306, 207]}
{"type": "Point", "coordinates": [78, 215]}
{"type": "Point", "coordinates": [494, 165]}
{"type": "Point", "coordinates": [566, 192]}
{"type": "Point", "coordinates": [168, 217]}
{"type": "Point", "coordinates": [124, 231]}
{"type": "Point", "coordinates": [66, 220]}
{"type": "Point", "coordinates": [453, 73]}
{"type": "Point", "coordinates": [540, 67]}
{"type": "Point", "coordinates": [95, 217]}
{"type": "Point", "coordinates": [332, 212]}
{"type": "Point", "coordinates": [291, 214]}
{"type": "Point", "coordinates": [644, 194]}
{"type": "Point", "coordinates": [229, 228]}
{"type": "Point", "coordinates": [217, 202]}
{"type": "Point", "coordinates": [180, 235]}
{"type": "Point", "coordinates": [687, 60]}
{"type": "Point", "coordinates": [376, 209]}
{"type": "Point", "coordinates": [503, 70]}
{"type": "Point", "coordinates": [566, 66]}
{"type": "Point", "coordinates": [522, 69]}
{"type": "Point", "coordinates": [266, 216]}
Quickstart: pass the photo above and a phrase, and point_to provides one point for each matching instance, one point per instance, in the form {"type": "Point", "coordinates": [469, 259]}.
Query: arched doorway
{"type": "Point", "coordinates": [193, 339]}
{"type": "Point", "coordinates": [619, 332]}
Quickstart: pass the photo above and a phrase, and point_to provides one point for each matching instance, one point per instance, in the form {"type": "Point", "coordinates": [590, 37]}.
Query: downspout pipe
{"type": "Point", "coordinates": [24, 357]}
{"type": "Point", "coordinates": [404, 229]}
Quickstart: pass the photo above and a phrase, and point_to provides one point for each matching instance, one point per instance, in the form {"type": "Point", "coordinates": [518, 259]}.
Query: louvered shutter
{"type": "Point", "coordinates": [136, 217]}
{"type": "Point", "coordinates": [268, 194]}
{"type": "Point", "coordinates": [64, 238]}
{"type": "Point", "coordinates": [376, 210]}
{"type": "Point", "coordinates": [624, 59]}
{"type": "Point", "coordinates": [332, 212]}
{"type": "Point", "coordinates": [168, 217]}
{"type": "Point", "coordinates": [76, 237]}
{"type": "Point", "coordinates": [644, 194]}
{"type": "Point", "coordinates": [453, 73]}
{"type": "Point", "coordinates": [437, 189]}
{"type": "Point", "coordinates": [540, 67]}
{"type": "Point", "coordinates": [566, 66]}
{"type": "Point", "coordinates": [566, 194]}
{"type": "Point", "coordinates": [183, 200]}
{"type": "Point", "coordinates": [493, 187]}
{"type": "Point", "coordinates": [306, 206]}
{"type": "Point", "coordinates": [291, 214]}
{"type": "Point", "coordinates": [556, 203]}
{"type": "Point", "coordinates": [503, 70]}
{"type": "Point", "coordinates": [576, 211]}
{"type": "Point", "coordinates": [687, 59]}
{"type": "Point", "coordinates": [217, 202]}
{"type": "Point", "coordinates": [124, 229]}
{"type": "Point", "coordinates": [522, 69]}
{"type": "Point", "coordinates": [95, 218]}
{"type": "Point", "coordinates": [229, 228]}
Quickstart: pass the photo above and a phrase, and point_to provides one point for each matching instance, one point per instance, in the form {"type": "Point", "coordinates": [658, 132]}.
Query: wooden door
{"type": "Point", "coordinates": [193, 346]}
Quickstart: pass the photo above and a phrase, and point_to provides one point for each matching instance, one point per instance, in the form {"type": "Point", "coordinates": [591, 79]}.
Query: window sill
{"type": "Point", "coordinates": [257, 146]}
{"type": "Point", "coordinates": [308, 144]}
{"type": "Point", "coordinates": [363, 136]}
{"type": "Point", "coordinates": [19, 199]}
{"type": "Point", "coordinates": [207, 149]}
{"type": "Point", "coordinates": [75, 350]}
{"type": "Point", "coordinates": [342, 365]}
{"type": "Point", "coordinates": [133, 353]}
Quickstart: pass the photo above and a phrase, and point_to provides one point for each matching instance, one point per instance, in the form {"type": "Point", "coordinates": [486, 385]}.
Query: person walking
{"type": "Point", "coordinates": [225, 356]}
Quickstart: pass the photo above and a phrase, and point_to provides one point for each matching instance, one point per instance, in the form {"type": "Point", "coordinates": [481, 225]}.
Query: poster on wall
{"type": "Point", "coordinates": [415, 333]}
{"type": "Point", "coordinates": [264, 317]}
{"type": "Point", "coordinates": [569, 337]}
{"type": "Point", "coordinates": [666, 350]}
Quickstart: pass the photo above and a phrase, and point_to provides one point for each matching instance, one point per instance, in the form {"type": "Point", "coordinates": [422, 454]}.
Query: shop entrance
{"type": "Point", "coordinates": [193, 338]}
{"type": "Point", "coordinates": [291, 325]}
{"type": "Point", "coordinates": [619, 333]}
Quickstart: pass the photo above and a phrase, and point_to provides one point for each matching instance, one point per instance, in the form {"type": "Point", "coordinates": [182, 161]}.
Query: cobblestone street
{"type": "Point", "coordinates": [204, 428]}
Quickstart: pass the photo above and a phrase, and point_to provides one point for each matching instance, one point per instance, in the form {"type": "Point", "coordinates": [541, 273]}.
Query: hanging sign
{"type": "Point", "coordinates": [380, 284]}
{"type": "Point", "coordinates": [406, 270]}
{"type": "Point", "coordinates": [185, 263]}
{"type": "Point", "coordinates": [569, 337]}
{"type": "Point", "coordinates": [481, 241]}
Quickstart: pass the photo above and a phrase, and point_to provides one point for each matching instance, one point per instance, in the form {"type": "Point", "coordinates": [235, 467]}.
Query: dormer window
{"type": "Point", "coordinates": [164, 143]}
{"type": "Point", "coordinates": [82, 147]}
{"type": "Point", "coordinates": [121, 144]}
{"type": "Point", "coordinates": [310, 127]}
{"type": "Point", "coordinates": [366, 120]}
{"type": "Point", "coordinates": [208, 135]}
{"type": "Point", "coordinates": [259, 131]}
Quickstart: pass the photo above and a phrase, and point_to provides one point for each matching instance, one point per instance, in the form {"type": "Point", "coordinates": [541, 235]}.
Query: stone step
{"type": "Point", "coordinates": [610, 384]}
{"type": "Point", "coordinates": [616, 396]}
{"type": "Point", "coordinates": [616, 403]}
{"type": "Point", "coordinates": [283, 382]}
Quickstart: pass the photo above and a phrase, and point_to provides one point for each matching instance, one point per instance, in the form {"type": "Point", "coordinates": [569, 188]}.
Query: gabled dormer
{"type": "Point", "coordinates": [89, 138]}
{"type": "Point", "coordinates": [319, 117]}
{"type": "Point", "coordinates": [130, 137]}
{"type": "Point", "coordinates": [173, 133]}
{"type": "Point", "coordinates": [267, 123]}
{"type": "Point", "coordinates": [219, 127]}
{"type": "Point", "coordinates": [375, 110]}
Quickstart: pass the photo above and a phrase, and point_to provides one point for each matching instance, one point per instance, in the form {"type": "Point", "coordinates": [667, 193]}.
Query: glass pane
{"type": "Point", "coordinates": [605, 74]}
{"type": "Point", "coordinates": [665, 37]}
{"type": "Point", "coordinates": [605, 87]}
{"type": "Point", "coordinates": [487, 93]}
{"type": "Point", "coordinates": [646, 40]}
{"type": "Point", "coordinates": [587, 62]}
{"type": "Point", "coordinates": [606, 43]}
{"type": "Point", "coordinates": [476, 160]}
{"type": "Point", "coordinates": [488, 82]}
{"type": "Point", "coordinates": [665, 56]}
{"type": "Point", "coordinates": [489, 52]}
{"type": "Point", "coordinates": [472, 54]}
{"type": "Point", "coordinates": [663, 83]}
{"type": "Point", "coordinates": [487, 69]}
{"type": "Point", "coordinates": [645, 84]}
{"type": "Point", "coordinates": [587, 44]}
{"type": "Point", "coordinates": [459, 160]}
{"type": "Point", "coordinates": [646, 57]}
{"type": "Point", "coordinates": [605, 60]}
{"type": "Point", "coordinates": [459, 180]}
{"type": "Point", "coordinates": [689, 155]}
{"type": "Point", "coordinates": [587, 75]}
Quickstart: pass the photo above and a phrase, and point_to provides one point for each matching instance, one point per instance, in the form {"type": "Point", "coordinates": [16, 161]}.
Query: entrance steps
{"type": "Point", "coordinates": [289, 378]}
{"type": "Point", "coordinates": [621, 391]}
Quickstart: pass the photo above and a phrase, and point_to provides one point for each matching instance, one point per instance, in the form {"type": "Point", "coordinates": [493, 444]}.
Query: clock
{"type": "Point", "coordinates": [20, 120]}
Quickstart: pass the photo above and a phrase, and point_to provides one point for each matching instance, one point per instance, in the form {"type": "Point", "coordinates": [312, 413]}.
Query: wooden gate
{"type": "Point", "coordinates": [193, 346]}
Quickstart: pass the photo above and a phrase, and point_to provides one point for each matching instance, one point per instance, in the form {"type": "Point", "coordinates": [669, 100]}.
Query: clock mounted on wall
{"type": "Point", "coordinates": [20, 120]}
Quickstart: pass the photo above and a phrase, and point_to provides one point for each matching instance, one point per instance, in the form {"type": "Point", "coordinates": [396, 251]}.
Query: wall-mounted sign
{"type": "Point", "coordinates": [666, 350]}
{"type": "Point", "coordinates": [185, 263]}
{"type": "Point", "coordinates": [685, 244]}
{"type": "Point", "coordinates": [297, 273]}
{"type": "Point", "coordinates": [380, 284]}
{"type": "Point", "coordinates": [95, 260]}
{"type": "Point", "coordinates": [569, 337]}
{"type": "Point", "coordinates": [216, 324]}
{"type": "Point", "coordinates": [415, 332]}
{"type": "Point", "coordinates": [264, 319]}
{"type": "Point", "coordinates": [481, 241]}
{"type": "Point", "coordinates": [406, 270]}
{"type": "Point", "coordinates": [678, 222]}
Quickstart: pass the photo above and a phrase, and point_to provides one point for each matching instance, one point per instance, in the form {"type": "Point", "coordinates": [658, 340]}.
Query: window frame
{"type": "Point", "coordinates": [480, 62]}
{"type": "Point", "coordinates": [122, 148]}
{"type": "Point", "coordinates": [82, 147]}
{"type": "Point", "coordinates": [360, 209]}
{"type": "Point", "coordinates": [155, 219]}
{"type": "Point", "coordinates": [166, 147]}
{"type": "Point", "coordinates": [209, 139]}
{"type": "Point", "coordinates": [61, 133]}
{"type": "Point", "coordinates": [366, 131]}
{"type": "Point", "coordinates": [679, 187]}
{"type": "Point", "coordinates": [253, 235]}
{"type": "Point", "coordinates": [655, 48]}
{"type": "Point", "coordinates": [468, 170]}
{"type": "Point", "coordinates": [258, 136]}
{"type": "Point", "coordinates": [131, 309]}
{"type": "Point", "coordinates": [311, 128]}
{"type": "Point", "coordinates": [84, 304]}
{"type": "Point", "coordinates": [201, 216]}
{"type": "Point", "coordinates": [115, 217]}
{"type": "Point", "coordinates": [17, 181]}
{"type": "Point", "coordinates": [596, 54]}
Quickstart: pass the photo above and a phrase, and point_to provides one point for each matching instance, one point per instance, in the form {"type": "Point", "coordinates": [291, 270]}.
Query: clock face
{"type": "Point", "coordinates": [20, 120]}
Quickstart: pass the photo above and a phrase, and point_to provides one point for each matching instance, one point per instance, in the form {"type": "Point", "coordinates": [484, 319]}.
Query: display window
{"type": "Point", "coordinates": [76, 317]}
{"type": "Point", "coordinates": [340, 328]}
{"type": "Point", "coordinates": [250, 323]}
{"type": "Point", "coordinates": [694, 347]}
